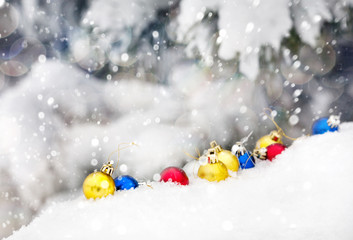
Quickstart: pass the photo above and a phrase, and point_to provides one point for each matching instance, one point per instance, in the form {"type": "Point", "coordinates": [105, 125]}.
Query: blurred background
{"type": "Point", "coordinates": [78, 77]}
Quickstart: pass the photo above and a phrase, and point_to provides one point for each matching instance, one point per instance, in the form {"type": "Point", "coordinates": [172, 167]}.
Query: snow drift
{"type": "Point", "coordinates": [305, 193]}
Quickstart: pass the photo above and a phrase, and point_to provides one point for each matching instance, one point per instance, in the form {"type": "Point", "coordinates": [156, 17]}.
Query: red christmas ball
{"type": "Point", "coordinates": [174, 174]}
{"type": "Point", "coordinates": [274, 149]}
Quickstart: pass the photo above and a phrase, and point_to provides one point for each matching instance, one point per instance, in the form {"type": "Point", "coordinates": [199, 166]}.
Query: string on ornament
{"type": "Point", "coordinates": [245, 139]}
{"type": "Point", "coordinates": [250, 155]}
{"type": "Point", "coordinates": [130, 144]}
{"type": "Point", "coordinates": [279, 129]}
{"type": "Point", "coordinates": [145, 183]}
{"type": "Point", "coordinates": [123, 146]}
{"type": "Point", "coordinates": [196, 158]}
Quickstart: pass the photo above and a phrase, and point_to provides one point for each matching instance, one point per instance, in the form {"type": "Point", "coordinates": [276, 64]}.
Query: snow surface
{"type": "Point", "coordinates": [305, 193]}
{"type": "Point", "coordinates": [54, 131]}
{"type": "Point", "coordinates": [59, 122]}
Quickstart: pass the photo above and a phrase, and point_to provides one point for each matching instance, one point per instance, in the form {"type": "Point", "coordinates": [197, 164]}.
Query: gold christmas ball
{"type": "Point", "coordinates": [98, 185]}
{"type": "Point", "coordinates": [213, 172]}
{"type": "Point", "coordinates": [229, 159]}
{"type": "Point", "coordinates": [267, 140]}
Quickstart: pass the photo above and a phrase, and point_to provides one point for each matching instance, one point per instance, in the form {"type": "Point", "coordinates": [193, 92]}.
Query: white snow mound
{"type": "Point", "coordinates": [305, 193]}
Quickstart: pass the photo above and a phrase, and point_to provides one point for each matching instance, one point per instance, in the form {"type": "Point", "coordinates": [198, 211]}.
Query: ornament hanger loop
{"type": "Point", "coordinates": [268, 113]}
{"type": "Point", "coordinates": [245, 139]}
{"type": "Point", "coordinates": [198, 153]}
{"type": "Point", "coordinates": [121, 146]}
{"type": "Point", "coordinates": [146, 184]}
{"type": "Point", "coordinates": [196, 158]}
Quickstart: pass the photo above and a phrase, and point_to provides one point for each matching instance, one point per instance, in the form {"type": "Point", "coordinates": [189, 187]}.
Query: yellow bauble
{"type": "Point", "coordinates": [229, 159]}
{"type": "Point", "coordinates": [213, 172]}
{"type": "Point", "coordinates": [265, 141]}
{"type": "Point", "coordinates": [98, 185]}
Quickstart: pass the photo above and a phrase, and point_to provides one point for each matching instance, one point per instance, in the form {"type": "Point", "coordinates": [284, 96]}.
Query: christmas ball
{"type": "Point", "coordinates": [191, 168]}
{"type": "Point", "coordinates": [125, 182]}
{"type": "Point", "coordinates": [229, 160]}
{"type": "Point", "coordinates": [98, 185]}
{"type": "Point", "coordinates": [273, 137]}
{"type": "Point", "coordinates": [213, 172]}
{"type": "Point", "coordinates": [246, 160]}
{"type": "Point", "coordinates": [323, 125]}
{"type": "Point", "coordinates": [174, 174]}
{"type": "Point", "coordinates": [274, 149]}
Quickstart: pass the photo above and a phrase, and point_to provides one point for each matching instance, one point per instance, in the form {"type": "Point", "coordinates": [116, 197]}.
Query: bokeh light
{"type": "Point", "coordinates": [9, 19]}
{"type": "Point", "coordinates": [21, 55]}
{"type": "Point", "coordinates": [88, 55]}
{"type": "Point", "coordinates": [13, 68]}
{"type": "Point", "coordinates": [318, 61]}
{"type": "Point", "coordinates": [273, 83]}
{"type": "Point", "coordinates": [27, 50]}
{"type": "Point", "coordinates": [294, 74]}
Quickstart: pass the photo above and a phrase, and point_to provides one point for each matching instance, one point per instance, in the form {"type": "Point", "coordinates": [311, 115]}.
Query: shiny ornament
{"type": "Point", "coordinates": [125, 182]}
{"type": "Point", "coordinates": [270, 152]}
{"type": "Point", "coordinates": [245, 158]}
{"type": "Point", "coordinates": [174, 174]}
{"type": "Point", "coordinates": [274, 149]}
{"type": "Point", "coordinates": [213, 170]}
{"type": "Point", "coordinates": [273, 137]}
{"type": "Point", "coordinates": [99, 184]}
{"type": "Point", "coordinates": [191, 168]}
{"type": "Point", "coordinates": [323, 125]}
{"type": "Point", "coordinates": [226, 157]}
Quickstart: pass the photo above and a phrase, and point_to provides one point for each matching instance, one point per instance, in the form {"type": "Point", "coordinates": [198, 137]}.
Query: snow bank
{"type": "Point", "coordinates": [59, 123]}
{"type": "Point", "coordinates": [305, 193]}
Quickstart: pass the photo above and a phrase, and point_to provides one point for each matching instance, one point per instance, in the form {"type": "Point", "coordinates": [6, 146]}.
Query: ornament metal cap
{"type": "Point", "coordinates": [275, 135]}
{"type": "Point", "coordinates": [217, 147]}
{"type": "Point", "coordinates": [212, 155]}
{"type": "Point", "coordinates": [261, 153]}
{"type": "Point", "coordinates": [334, 120]}
{"type": "Point", "coordinates": [238, 149]}
{"type": "Point", "coordinates": [108, 168]}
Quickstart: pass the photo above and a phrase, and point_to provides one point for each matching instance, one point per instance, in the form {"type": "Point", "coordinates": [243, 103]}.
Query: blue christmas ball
{"type": "Point", "coordinates": [125, 182]}
{"type": "Point", "coordinates": [246, 160]}
{"type": "Point", "coordinates": [321, 126]}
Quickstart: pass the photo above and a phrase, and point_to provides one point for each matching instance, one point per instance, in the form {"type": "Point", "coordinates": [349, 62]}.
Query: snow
{"type": "Point", "coordinates": [310, 16]}
{"type": "Point", "coordinates": [305, 193]}
{"type": "Point", "coordinates": [132, 17]}
{"type": "Point", "coordinates": [245, 26]}
{"type": "Point", "coordinates": [209, 29]}
{"type": "Point", "coordinates": [113, 38]}
{"type": "Point", "coordinates": [55, 130]}
{"type": "Point", "coordinates": [58, 121]}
